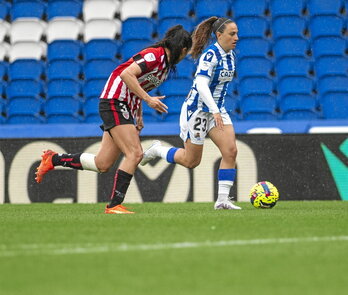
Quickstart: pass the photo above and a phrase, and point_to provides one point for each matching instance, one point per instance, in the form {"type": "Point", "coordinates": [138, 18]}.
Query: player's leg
{"type": "Point", "coordinates": [225, 140]}
{"type": "Point", "coordinates": [192, 132]}
{"type": "Point", "coordinates": [126, 139]}
{"type": "Point", "coordinates": [101, 162]}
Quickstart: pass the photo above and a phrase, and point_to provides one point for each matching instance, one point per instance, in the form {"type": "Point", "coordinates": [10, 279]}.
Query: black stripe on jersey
{"type": "Point", "coordinates": [140, 61]}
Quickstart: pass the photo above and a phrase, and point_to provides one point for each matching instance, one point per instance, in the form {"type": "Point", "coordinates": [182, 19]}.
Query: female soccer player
{"type": "Point", "coordinates": [120, 103]}
{"type": "Point", "coordinates": [203, 112]}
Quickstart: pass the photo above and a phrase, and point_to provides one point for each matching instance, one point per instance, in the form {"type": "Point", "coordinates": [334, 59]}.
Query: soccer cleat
{"type": "Point", "coordinates": [45, 165]}
{"type": "Point", "coordinates": [227, 205]}
{"type": "Point", "coordinates": [150, 153]}
{"type": "Point", "coordinates": [118, 209]}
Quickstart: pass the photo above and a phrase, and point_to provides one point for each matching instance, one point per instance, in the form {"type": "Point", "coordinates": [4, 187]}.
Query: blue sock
{"type": "Point", "coordinates": [226, 178]}
{"type": "Point", "coordinates": [170, 155]}
{"type": "Point", "coordinates": [227, 174]}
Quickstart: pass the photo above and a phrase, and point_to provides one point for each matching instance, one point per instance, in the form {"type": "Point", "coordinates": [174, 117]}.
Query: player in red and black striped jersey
{"type": "Point", "coordinates": [121, 112]}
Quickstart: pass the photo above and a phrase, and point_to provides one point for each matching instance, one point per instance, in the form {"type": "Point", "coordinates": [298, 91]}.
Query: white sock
{"type": "Point", "coordinates": [162, 151]}
{"type": "Point", "coordinates": [88, 162]}
{"type": "Point", "coordinates": [224, 190]}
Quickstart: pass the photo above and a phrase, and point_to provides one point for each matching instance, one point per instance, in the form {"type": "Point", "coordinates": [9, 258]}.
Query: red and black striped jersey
{"type": "Point", "coordinates": [154, 70]}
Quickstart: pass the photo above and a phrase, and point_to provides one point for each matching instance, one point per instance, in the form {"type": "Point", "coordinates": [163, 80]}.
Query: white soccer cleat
{"type": "Point", "coordinates": [150, 153]}
{"type": "Point", "coordinates": [226, 205]}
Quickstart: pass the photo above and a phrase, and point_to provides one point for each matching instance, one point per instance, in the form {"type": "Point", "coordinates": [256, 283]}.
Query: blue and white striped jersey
{"type": "Point", "coordinates": [219, 67]}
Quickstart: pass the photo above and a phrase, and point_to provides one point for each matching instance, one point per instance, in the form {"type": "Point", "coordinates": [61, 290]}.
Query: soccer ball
{"type": "Point", "coordinates": [264, 195]}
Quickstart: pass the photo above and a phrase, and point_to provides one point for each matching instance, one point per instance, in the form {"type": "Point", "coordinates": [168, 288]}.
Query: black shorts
{"type": "Point", "coordinates": [113, 113]}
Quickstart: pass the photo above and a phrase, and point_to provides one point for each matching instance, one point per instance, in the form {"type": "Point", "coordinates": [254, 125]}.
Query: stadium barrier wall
{"type": "Point", "coordinates": [302, 166]}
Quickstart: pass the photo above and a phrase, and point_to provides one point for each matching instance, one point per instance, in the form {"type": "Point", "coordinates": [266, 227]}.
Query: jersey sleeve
{"type": "Point", "coordinates": [206, 64]}
{"type": "Point", "coordinates": [148, 59]}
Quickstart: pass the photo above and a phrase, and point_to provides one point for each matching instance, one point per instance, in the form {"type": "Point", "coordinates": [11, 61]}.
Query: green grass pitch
{"type": "Point", "coordinates": [187, 248]}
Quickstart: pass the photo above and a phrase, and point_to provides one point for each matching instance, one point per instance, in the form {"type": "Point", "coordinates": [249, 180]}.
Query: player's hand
{"type": "Point", "coordinates": [218, 121]}
{"type": "Point", "coordinates": [155, 103]}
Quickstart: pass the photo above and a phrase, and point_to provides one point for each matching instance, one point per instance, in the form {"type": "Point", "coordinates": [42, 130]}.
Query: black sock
{"type": "Point", "coordinates": [67, 160]}
{"type": "Point", "coordinates": [121, 184]}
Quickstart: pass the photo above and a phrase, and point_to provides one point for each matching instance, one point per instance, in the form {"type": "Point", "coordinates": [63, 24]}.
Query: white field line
{"type": "Point", "coordinates": [90, 248]}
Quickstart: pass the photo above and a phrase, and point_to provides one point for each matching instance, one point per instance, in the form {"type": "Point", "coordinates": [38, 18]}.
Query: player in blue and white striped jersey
{"type": "Point", "coordinates": [203, 112]}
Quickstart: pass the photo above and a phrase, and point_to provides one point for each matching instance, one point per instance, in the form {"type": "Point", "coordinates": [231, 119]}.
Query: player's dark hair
{"type": "Point", "coordinates": [176, 39]}
{"type": "Point", "coordinates": [202, 33]}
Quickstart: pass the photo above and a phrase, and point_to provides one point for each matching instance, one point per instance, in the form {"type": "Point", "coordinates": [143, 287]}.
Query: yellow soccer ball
{"type": "Point", "coordinates": [264, 195]}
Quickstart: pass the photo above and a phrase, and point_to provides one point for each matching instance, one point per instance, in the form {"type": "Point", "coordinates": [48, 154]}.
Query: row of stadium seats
{"type": "Point", "coordinates": [101, 68]}
{"type": "Point", "coordinates": [34, 30]}
{"type": "Point", "coordinates": [62, 109]}
{"type": "Point", "coordinates": [27, 42]}
{"type": "Point", "coordinates": [258, 95]}
{"type": "Point", "coordinates": [92, 9]}
{"type": "Point", "coordinates": [86, 10]}
{"type": "Point", "coordinates": [292, 59]}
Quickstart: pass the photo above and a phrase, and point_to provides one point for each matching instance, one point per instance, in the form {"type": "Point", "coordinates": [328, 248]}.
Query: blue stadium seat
{"type": "Point", "coordinates": [295, 85]}
{"type": "Point", "coordinates": [149, 114]}
{"type": "Point", "coordinates": [258, 107]}
{"type": "Point", "coordinates": [26, 69]}
{"type": "Point", "coordinates": [99, 69]}
{"type": "Point", "coordinates": [232, 104]}
{"type": "Point", "coordinates": [326, 26]}
{"type": "Point", "coordinates": [62, 110]}
{"type": "Point", "coordinates": [289, 26]}
{"type": "Point", "coordinates": [91, 110]}
{"type": "Point", "coordinates": [24, 106]}
{"type": "Point", "coordinates": [254, 67]}
{"type": "Point", "coordinates": [64, 49]}
{"type": "Point", "coordinates": [28, 8]}
{"type": "Point", "coordinates": [64, 8]}
{"type": "Point", "coordinates": [292, 67]}
{"type": "Point", "coordinates": [24, 111]}
{"type": "Point", "coordinates": [206, 8]}
{"type": "Point", "coordinates": [165, 24]}
{"type": "Point", "coordinates": [325, 7]}
{"type": "Point", "coordinates": [101, 49]}
{"type": "Point", "coordinates": [174, 8]}
{"type": "Point", "coordinates": [24, 88]}
{"type": "Point", "coordinates": [93, 88]}
{"type": "Point", "coordinates": [174, 104]}
{"type": "Point", "coordinates": [335, 106]}
{"type": "Point", "coordinates": [185, 68]}
{"type": "Point", "coordinates": [3, 70]}
{"type": "Point", "coordinates": [176, 87]}
{"type": "Point", "coordinates": [255, 86]}
{"type": "Point", "coordinates": [331, 66]}
{"type": "Point", "coordinates": [242, 8]}
{"type": "Point", "coordinates": [24, 119]}
{"type": "Point", "coordinates": [252, 48]}
{"type": "Point", "coordinates": [290, 47]}
{"type": "Point", "coordinates": [287, 7]}
{"type": "Point", "coordinates": [301, 115]}
{"type": "Point", "coordinates": [132, 47]}
{"type": "Point", "coordinates": [63, 88]}
{"type": "Point", "coordinates": [137, 28]}
{"type": "Point", "coordinates": [64, 69]}
{"type": "Point", "coordinates": [252, 27]}
{"type": "Point", "coordinates": [299, 107]}
{"type": "Point", "coordinates": [333, 85]}
{"type": "Point", "coordinates": [4, 9]}
{"type": "Point", "coordinates": [329, 46]}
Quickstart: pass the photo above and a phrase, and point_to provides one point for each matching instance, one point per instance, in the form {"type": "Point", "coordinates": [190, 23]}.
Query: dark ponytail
{"type": "Point", "coordinates": [176, 39]}
{"type": "Point", "coordinates": [202, 33]}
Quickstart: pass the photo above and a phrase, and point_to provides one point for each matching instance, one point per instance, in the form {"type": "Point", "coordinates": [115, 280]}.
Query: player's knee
{"type": "Point", "coordinates": [193, 164]}
{"type": "Point", "coordinates": [103, 168]}
{"type": "Point", "coordinates": [137, 156]}
{"type": "Point", "coordinates": [231, 153]}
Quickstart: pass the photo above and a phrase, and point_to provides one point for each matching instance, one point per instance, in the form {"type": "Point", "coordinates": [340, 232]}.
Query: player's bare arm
{"type": "Point", "coordinates": [129, 76]}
